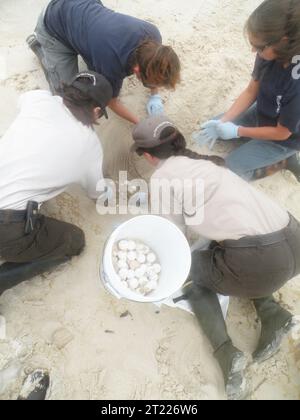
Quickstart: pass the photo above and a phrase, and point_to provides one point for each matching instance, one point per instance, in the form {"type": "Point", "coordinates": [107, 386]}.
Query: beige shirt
{"type": "Point", "coordinates": [231, 207]}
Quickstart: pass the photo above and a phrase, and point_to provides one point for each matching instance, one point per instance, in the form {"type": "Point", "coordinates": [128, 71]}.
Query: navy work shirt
{"type": "Point", "coordinates": [278, 99]}
{"type": "Point", "coordinates": [105, 39]}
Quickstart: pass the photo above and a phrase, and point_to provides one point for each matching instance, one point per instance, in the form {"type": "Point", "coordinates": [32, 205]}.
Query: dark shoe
{"type": "Point", "coordinates": [276, 322]}
{"type": "Point", "coordinates": [293, 165]}
{"type": "Point", "coordinates": [35, 386]}
{"type": "Point", "coordinates": [233, 363]}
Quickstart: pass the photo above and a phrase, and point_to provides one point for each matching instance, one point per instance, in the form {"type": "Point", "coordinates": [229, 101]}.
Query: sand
{"type": "Point", "coordinates": [66, 322]}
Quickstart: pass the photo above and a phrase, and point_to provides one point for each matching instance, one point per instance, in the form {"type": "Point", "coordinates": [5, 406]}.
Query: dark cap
{"type": "Point", "coordinates": [99, 89]}
{"type": "Point", "coordinates": [147, 133]}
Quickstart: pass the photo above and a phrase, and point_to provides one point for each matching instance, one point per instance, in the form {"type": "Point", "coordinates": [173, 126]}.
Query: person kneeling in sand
{"type": "Point", "coordinates": [111, 43]}
{"type": "Point", "coordinates": [266, 116]}
{"type": "Point", "coordinates": [50, 145]}
{"type": "Point", "coordinates": [254, 250]}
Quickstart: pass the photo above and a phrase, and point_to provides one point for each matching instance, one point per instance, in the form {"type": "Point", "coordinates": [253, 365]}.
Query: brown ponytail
{"type": "Point", "coordinates": [177, 147]}
{"type": "Point", "coordinates": [217, 160]}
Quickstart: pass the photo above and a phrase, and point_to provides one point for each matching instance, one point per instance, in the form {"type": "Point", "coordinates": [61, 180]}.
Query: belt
{"type": "Point", "coordinates": [28, 216]}
{"type": "Point", "coordinates": [12, 216]}
{"type": "Point", "coordinates": [263, 240]}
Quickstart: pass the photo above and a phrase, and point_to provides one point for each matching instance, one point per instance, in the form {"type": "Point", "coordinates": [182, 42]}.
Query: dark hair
{"type": "Point", "coordinates": [80, 104]}
{"type": "Point", "coordinates": [272, 21]}
{"type": "Point", "coordinates": [176, 147]}
{"type": "Point", "coordinates": [159, 64]}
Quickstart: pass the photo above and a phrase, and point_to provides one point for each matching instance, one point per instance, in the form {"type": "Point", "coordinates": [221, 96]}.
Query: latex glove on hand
{"type": "Point", "coordinates": [155, 105]}
{"type": "Point", "coordinates": [227, 131]}
{"type": "Point", "coordinates": [208, 135]}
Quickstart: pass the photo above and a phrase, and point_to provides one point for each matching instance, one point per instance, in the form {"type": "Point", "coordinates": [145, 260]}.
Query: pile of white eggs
{"type": "Point", "coordinates": [137, 266]}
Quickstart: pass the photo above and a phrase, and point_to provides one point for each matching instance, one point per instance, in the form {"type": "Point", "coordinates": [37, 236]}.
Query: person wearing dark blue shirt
{"type": "Point", "coordinates": [112, 44]}
{"type": "Point", "coordinates": [266, 116]}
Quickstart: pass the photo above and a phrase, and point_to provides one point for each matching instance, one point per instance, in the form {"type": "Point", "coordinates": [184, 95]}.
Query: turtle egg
{"type": "Point", "coordinates": [131, 256]}
{"type": "Point", "coordinates": [141, 258]}
{"type": "Point", "coordinates": [140, 272]}
{"type": "Point", "coordinates": [124, 284]}
{"type": "Point", "coordinates": [133, 283]}
{"type": "Point", "coordinates": [134, 265]}
{"type": "Point", "coordinates": [143, 281]}
{"type": "Point", "coordinates": [123, 273]}
{"type": "Point", "coordinates": [130, 274]}
{"type": "Point", "coordinates": [149, 270]}
{"type": "Point", "coordinates": [131, 245]}
{"type": "Point", "coordinates": [153, 277]}
{"type": "Point", "coordinates": [122, 255]}
{"type": "Point", "coordinates": [123, 245]}
{"type": "Point", "coordinates": [150, 286]}
{"type": "Point", "coordinates": [122, 264]}
{"type": "Point", "coordinates": [156, 268]}
{"type": "Point", "coordinates": [151, 257]}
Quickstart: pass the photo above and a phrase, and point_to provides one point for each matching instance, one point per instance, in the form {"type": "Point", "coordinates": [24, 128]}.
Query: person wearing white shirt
{"type": "Point", "coordinates": [50, 145]}
{"type": "Point", "coordinates": [255, 244]}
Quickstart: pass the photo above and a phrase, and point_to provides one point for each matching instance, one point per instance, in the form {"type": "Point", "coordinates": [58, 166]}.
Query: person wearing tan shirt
{"type": "Point", "coordinates": [254, 250]}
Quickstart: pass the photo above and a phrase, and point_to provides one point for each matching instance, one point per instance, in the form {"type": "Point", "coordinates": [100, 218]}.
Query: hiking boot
{"type": "Point", "coordinates": [233, 364]}
{"type": "Point", "coordinates": [276, 322]}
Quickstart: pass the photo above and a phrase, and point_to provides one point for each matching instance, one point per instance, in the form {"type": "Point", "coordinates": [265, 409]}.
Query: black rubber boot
{"type": "Point", "coordinates": [293, 165]}
{"type": "Point", "coordinates": [12, 274]}
{"type": "Point", "coordinates": [35, 386]}
{"type": "Point", "coordinates": [275, 323]}
{"type": "Point", "coordinates": [233, 363]}
{"type": "Point", "coordinates": [207, 309]}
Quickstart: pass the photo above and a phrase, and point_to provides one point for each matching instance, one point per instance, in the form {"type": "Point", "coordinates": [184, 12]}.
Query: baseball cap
{"type": "Point", "coordinates": [99, 89]}
{"type": "Point", "coordinates": [147, 133]}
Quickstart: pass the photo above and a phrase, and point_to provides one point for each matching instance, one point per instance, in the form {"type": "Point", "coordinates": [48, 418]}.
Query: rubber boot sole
{"type": "Point", "coordinates": [274, 347]}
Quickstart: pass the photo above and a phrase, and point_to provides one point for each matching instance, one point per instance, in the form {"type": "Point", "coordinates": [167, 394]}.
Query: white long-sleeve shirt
{"type": "Point", "coordinates": [45, 150]}
{"type": "Point", "coordinates": [231, 208]}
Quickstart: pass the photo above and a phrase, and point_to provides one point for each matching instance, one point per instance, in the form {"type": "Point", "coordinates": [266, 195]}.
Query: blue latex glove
{"type": "Point", "coordinates": [227, 131]}
{"type": "Point", "coordinates": [155, 105]}
{"type": "Point", "coordinates": [208, 135]}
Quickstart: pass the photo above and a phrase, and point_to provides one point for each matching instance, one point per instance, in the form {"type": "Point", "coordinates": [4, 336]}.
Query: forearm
{"type": "Point", "coordinates": [116, 106]}
{"type": "Point", "coordinates": [244, 101]}
{"type": "Point", "coordinates": [265, 133]}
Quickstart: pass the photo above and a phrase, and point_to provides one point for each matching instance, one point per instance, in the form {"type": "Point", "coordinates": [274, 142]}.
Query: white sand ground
{"type": "Point", "coordinates": [66, 322]}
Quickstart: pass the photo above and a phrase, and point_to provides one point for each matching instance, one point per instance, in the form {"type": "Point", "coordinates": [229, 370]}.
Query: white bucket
{"type": "Point", "coordinates": [169, 244]}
